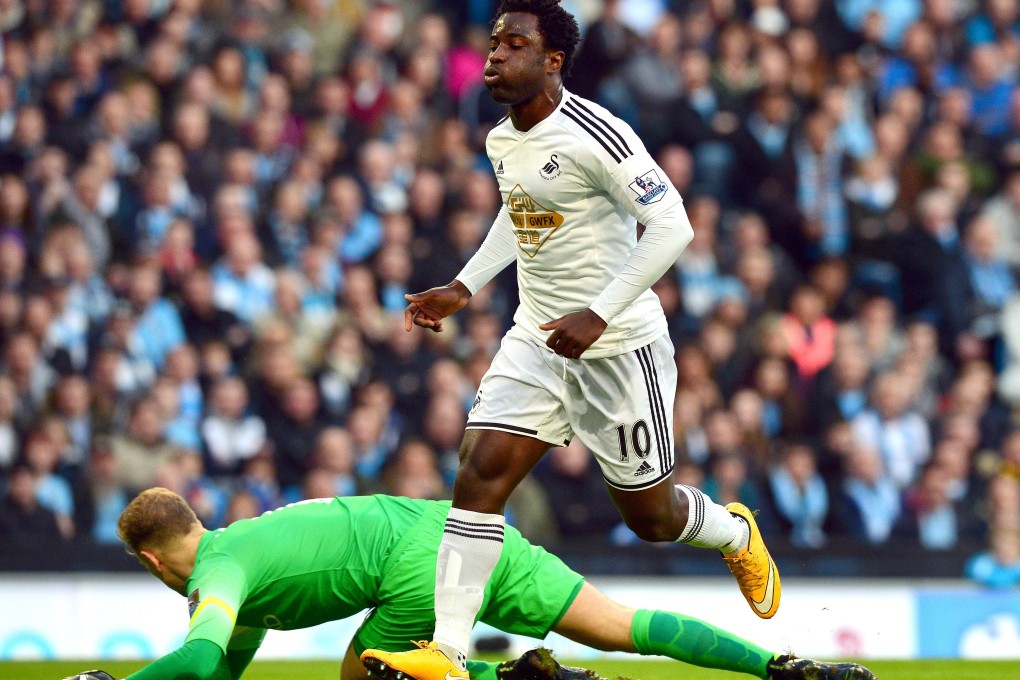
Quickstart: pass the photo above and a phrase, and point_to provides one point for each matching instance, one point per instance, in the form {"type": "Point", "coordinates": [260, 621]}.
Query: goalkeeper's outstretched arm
{"type": "Point", "coordinates": [201, 659]}
{"type": "Point", "coordinates": [196, 660]}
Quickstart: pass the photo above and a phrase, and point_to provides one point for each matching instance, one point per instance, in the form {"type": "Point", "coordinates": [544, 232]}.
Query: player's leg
{"type": "Point", "coordinates": [351, 667]}
{"type": "Point", "coordinates": [627, 422]}
{"type": "Point", "coordinates": [517, 415]}
{"type": "Point", "coordinates": [493, 463]}
{"type": "Point", "coordinates": [515, 418]}
{"type": "Point", "coordinates": [597, 621]}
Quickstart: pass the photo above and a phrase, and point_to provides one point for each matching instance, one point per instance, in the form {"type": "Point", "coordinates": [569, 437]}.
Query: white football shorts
{"type": "Point", "coordinates": [621, 407]}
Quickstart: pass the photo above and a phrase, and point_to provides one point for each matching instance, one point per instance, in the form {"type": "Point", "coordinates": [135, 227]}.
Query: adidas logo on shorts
{"type": "Point", "coordinates": [643, 469]}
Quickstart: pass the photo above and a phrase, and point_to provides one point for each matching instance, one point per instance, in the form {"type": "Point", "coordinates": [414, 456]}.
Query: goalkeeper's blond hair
{"type": "Point", "coordinates": [156, 518]}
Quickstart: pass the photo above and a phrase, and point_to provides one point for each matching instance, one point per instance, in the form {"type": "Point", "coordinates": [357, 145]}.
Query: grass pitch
{"type": "Point", "coordinates": [634, 670]}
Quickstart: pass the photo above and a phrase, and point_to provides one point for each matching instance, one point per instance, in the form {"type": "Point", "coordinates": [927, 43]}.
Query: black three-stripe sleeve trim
{"type": "Point", "coordinates": [497, 539]}
{"type": "Point", "coordinates": [591, 132]}
{"type": "Point", "coordinates": [604, 124]}
{"type": "Point", "coordinates": [655, 406]}
{"type": "Point", "coordinates": [599, 125]}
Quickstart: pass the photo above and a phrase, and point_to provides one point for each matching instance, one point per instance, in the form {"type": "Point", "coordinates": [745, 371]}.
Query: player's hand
{"type": "Point", "coordinates": [91, 675]}
{"type": "Point", "coordinates": [574, 333]}
{"type": "Point", "coordinates": [428, 309]}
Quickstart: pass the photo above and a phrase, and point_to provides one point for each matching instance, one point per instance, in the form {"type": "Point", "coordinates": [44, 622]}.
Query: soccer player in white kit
{"type": "Point", "coordinates": [589, 355]}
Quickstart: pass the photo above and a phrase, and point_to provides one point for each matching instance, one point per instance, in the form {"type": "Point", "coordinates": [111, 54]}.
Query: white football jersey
{"type": "Point", "coordinates": [574, 186]}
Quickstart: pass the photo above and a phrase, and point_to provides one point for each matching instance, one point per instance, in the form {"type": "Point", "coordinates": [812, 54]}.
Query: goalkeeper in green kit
{"type": "Point", "coordinates": [328, 559]}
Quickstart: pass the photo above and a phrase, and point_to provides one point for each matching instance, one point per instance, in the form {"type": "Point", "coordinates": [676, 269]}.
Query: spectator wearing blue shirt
{"type": "Point", "coordinates": [853, 131]}
{"type": "Point", "coordinates": [156, 215]}
{"type": "Point", "coordinates": [108, 497]}
{"type": "Point", "coordinates": [992, 279]}
{"type": "Point", "coordinates": [157, 324]}
{"type": "Point", "coordinates": [72, 398]}
{"type": "Point", "coordinates": [272, 157]}
{"type": "Point", "coordinates": [800, 495]}
{"type": "Point", "coordinates": [894, 16]}
{"type": "Point", "coordinates": [820, 160]}
{"type": "Point", "coordinates": [89, 291]}
{"type": "Point", "coordinates": [287, 225]}
{"type": "Point", "coordinates": [871, 502]}
{"type": "Point", "coordinates": [999, 566]}
{"type": "Point", "coordinates": [930, 514]}
{"type": "Point", "coordinates": [242, 283]}
{"type": "Point", "coordinates": [69, 327]}
{"type": "Point", "coordinates": [990, 88]}
{"type": "Point", "coordinates": [361, 231]}
{"type": "Point", "coordinates": [324, 280]}
{"type": "Point", "coordinates": [916, 65]}
{"type": "Point", "coordinates": [998, 21]}
{"type": "Point", "coordinates": [52, 491]}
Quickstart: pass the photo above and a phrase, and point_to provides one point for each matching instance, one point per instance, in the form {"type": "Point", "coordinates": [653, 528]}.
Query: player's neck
{"type": "Point", "coordinates": [180, 562]}
{"type": "Point", "coordinates": [527, 115]}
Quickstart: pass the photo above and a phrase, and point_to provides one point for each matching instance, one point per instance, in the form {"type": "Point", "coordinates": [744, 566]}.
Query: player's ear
{"type": "Point", "coordinates": [554, 61]}
{"type": "Point", "coordinates": [150, 561]}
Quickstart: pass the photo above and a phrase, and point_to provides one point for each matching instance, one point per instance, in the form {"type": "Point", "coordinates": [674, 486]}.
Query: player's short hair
{"type": "Point", "coordinates": [155, 519]}
{"type": "Point", "coordinates": [558, 26]}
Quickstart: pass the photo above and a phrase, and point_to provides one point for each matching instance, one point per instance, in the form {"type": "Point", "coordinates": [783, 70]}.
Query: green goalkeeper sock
{"type": "Point", "coordinates": [695, 642]}
{"type": "Point", "coordinates": [482, 670]}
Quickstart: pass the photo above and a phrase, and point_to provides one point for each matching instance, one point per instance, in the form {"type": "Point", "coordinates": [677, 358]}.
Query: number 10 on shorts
{"type": "Point", "coordinates": [640, 439]}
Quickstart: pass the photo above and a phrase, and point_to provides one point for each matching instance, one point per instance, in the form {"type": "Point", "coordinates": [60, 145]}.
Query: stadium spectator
{"type": "Point", "coordinates": [799, 495]}
{"type": "Point", "coordinates": [870, 504]}
{"type": "Point", "coordinates": [413, 471]}
{"type": "Point", "coordinates": [889, 427]}
{"type": "Point", "coordinates": [43, 456]}
{"type": "Point", "coordinates": [141, 449]}
{"type": "Point", "coordinates": [294, 431]}
{"type": "Point", "coordinates": [107, 497]}
{"type": "Point", "coordinates": [23, 520]}
{"type": "Point", "coordinates": [230, 433]}
{"type": "Point", "coordinates": [809, 334]}
{"type": "Point", "coordinates": [334, 454]}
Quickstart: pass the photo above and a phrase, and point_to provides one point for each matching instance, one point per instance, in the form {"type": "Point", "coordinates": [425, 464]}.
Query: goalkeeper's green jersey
{"type": "Point", "coordinates": [327, 559]}
{"type": "Point", "coordinates": [299, 566]}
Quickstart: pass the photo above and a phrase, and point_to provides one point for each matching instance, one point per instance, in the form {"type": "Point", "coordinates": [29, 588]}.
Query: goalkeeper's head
{"type": "Point", "coordinates": [161, 530]}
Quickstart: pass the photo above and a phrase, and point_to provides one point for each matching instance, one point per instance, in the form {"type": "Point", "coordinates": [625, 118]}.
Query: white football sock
{"type": "Point", "coordinates": [710, 525]}
{"type": "Point", "coordinates": [469, 551]}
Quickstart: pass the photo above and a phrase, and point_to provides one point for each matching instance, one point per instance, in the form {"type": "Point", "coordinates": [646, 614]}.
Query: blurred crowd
{"type": "Point", "coordinates": [210, 213]}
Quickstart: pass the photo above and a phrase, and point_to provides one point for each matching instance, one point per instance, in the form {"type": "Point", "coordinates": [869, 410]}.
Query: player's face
{"type": "Point", "coordinates": [518, 61]}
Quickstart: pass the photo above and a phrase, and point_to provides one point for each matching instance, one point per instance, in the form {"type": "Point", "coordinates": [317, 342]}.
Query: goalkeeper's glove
{"type": "Point", "coordinates": [91, 675]}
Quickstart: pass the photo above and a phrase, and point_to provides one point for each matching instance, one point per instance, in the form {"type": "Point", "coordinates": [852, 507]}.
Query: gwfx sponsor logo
{"type": "Point", "coordinates": [533, 222]}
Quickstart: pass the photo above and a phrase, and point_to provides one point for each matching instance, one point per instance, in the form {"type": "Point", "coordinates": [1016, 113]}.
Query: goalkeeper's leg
{"type": "Point", "coordinates": [597, 621]}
